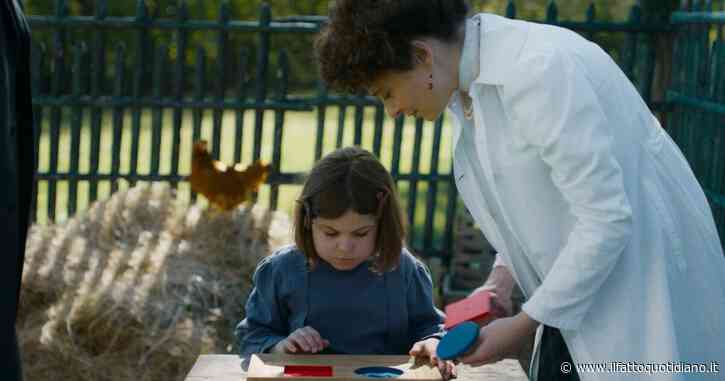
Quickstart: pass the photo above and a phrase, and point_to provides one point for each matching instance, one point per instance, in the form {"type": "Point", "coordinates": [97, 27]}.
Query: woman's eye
{"type": "Point", "coordinates": [361, 235]}
{"type": "Point", "coordinates": [328, 234]}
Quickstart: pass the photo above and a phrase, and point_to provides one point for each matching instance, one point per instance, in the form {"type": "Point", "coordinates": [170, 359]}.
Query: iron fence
{"type": "Point", "coordinates": [698, 97]}
{"type": "Point", "coordinates": [137, 90]}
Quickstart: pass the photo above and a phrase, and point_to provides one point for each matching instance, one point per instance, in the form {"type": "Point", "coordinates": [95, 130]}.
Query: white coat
{"type": "Point", "coordinates": [603, 224]}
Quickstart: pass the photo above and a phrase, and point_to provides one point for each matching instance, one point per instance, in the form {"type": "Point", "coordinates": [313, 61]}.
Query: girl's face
{"type": "Point", "coordinates": [346, 241]}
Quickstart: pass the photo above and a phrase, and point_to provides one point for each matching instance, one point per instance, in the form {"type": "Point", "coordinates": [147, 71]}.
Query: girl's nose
{"type": "Point", "coordinates": [344, 245]}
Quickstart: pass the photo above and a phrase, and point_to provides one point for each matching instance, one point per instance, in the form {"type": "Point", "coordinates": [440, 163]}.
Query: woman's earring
{"type": "Point", "coordinates": [430, 82]}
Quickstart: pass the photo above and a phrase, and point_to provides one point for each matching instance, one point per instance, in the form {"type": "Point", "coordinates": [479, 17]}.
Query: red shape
{"type": "Point", "coordinates": [472, 308]}
{"type": "Point", "coordinates": [307, 371]}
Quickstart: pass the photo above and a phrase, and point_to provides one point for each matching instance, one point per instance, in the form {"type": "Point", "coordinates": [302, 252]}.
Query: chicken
{"type": "Point", "coordinates": [225, 187]}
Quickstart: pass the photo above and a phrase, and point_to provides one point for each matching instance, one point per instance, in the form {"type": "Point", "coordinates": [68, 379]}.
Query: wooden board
{"type": "Point", "coordinates": [217, 368]}
{"type": "Point", "coordinates": [270, 367]}
{"type": "Point", "coordinates": [228, 368]}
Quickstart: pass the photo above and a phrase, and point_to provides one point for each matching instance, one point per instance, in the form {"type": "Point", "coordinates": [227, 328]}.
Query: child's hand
{"type": "Point", "coordinates": [427, 348]}
{"type": "Point", "coordinates": [302, 340]}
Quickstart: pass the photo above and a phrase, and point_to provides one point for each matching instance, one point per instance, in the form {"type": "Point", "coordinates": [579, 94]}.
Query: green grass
{"type": "Point", "coordinates": [297, 154]}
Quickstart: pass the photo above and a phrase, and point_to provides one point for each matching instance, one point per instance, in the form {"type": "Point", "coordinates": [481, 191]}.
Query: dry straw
{"type": "Point", "coordinates": [138, 286]}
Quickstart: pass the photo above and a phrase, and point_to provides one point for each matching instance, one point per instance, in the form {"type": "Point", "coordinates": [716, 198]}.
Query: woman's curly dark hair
{"type": "Point", "coordinates": [364, 38]}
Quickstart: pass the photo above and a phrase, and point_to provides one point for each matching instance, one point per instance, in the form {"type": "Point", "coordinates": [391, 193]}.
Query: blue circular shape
{"type": "Point", "coordinates": [457, 341]}
{"type": "Point", "coordinates": [379, 372]}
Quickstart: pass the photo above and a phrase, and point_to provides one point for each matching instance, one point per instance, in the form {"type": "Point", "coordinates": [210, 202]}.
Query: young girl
{"type": "Point", "coordinates": [348, 285]}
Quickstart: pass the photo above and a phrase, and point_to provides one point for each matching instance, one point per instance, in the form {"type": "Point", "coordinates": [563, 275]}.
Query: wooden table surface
{"type": "Point", "coordinates": [228, 368]}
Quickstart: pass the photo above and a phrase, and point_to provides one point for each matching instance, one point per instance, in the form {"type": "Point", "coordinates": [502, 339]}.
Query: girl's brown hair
{"type": "Point", "coordinates": [351, 178]}
{"type": "Point", "coordinates": [366, 38]}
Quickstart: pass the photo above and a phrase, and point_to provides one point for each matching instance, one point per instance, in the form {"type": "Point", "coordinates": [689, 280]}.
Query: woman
{"type": "Point", "coordinates": [592, 208]}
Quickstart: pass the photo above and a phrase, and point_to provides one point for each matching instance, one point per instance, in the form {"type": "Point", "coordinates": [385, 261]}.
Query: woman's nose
{"type": "Point", "coordinates": [392, 109]}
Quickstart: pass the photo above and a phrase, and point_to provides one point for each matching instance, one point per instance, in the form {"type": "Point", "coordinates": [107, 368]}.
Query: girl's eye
{"type": "Point", "coordinates": [361, 235]}
{"type": "Point", "coordinates": [328, 234]}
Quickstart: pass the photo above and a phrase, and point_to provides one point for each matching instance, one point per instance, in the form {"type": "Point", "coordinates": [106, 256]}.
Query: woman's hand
{"type": "Point", "coordinates": [502, 338]}
{"type": "Point", "coordinates": [501, 307]}
{"type": "Point", "coordinates": [500, 284]}
{"type": "Point", "coordinates": [427, 348]}
{"type": "Point", "coordinates": [302, 340]}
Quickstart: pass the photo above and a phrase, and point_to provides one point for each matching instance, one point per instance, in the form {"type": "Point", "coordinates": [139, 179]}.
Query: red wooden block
{"type": "Point", "coordinates": [473, 308]}
{"type": "Point", "coordinates": [307, 371]}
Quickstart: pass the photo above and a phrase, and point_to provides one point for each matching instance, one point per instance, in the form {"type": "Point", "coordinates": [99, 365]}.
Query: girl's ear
{"type": "Point", "coordinates": [422, 52]}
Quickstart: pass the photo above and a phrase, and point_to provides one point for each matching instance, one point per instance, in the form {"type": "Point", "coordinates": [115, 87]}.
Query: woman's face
{"type": "Point", "coordinates": [346, 241]}
{"type": "Point", "coordinates": [408, 92]}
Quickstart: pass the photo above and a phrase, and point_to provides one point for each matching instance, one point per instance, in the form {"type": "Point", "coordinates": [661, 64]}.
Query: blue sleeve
{"type": "Point", "coordinates": [425, 319]}
{"type": "Point", "coordinates": [266, 318]}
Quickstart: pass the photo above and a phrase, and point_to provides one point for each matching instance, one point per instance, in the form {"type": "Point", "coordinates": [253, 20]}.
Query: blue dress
{"type": "Point", "coordinates": [358, 311]}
